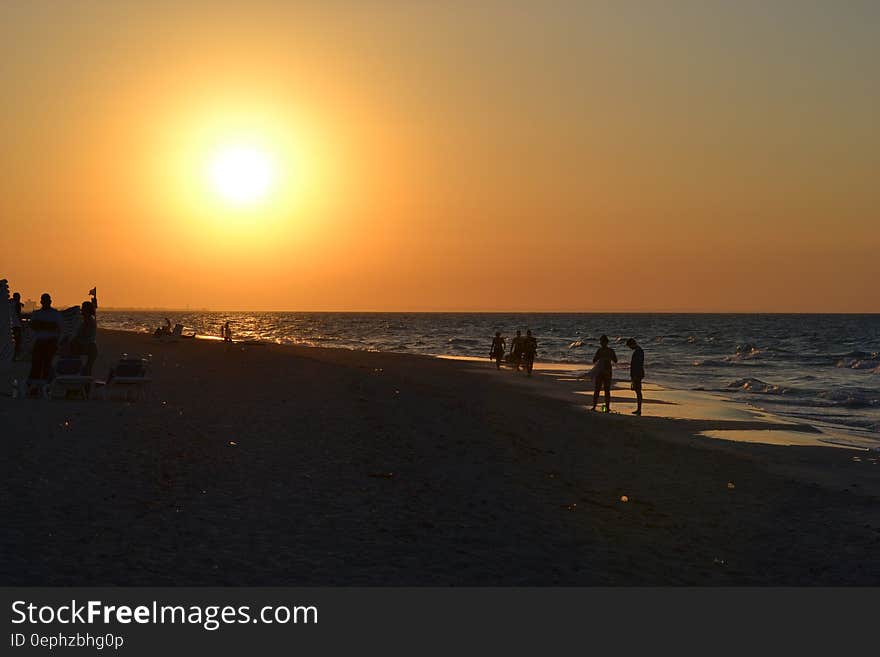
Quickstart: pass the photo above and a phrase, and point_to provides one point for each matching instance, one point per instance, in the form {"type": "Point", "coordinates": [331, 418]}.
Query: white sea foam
{"type": "Point", "coordinates": [871, 362]}
{"type": "Point", "coordinates": [744, 352]}
{"type": "Point", "coordinates": [756, 385]}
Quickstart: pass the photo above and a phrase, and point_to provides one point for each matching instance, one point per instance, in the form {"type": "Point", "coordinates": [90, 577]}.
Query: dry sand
{"type": "Point", "coordinates": [269, 465]}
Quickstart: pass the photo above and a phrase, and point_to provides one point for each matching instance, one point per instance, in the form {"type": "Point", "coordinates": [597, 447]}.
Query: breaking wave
{"type": "Point", "coordinates": [743, 352]}
{"type": "Point", "coordinates": [756, 385]}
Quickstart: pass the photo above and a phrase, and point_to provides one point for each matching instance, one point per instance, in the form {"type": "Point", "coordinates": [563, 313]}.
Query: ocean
{"type": "Point", "coordinates": [819, 369]}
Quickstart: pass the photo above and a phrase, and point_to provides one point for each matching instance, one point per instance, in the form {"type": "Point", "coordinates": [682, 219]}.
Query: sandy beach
{"type": "Point", "coordinates": [278, 465]}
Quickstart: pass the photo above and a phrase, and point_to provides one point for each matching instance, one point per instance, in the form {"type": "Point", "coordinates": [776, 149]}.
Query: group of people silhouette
{"type": "Point", "coordinates": [524, 348]}
{"type": "Point", "coordinates": [47, 328]}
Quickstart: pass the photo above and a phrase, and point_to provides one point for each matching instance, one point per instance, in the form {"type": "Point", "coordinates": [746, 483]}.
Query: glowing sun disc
{"type": "Point", "coordinates": [241, 174]}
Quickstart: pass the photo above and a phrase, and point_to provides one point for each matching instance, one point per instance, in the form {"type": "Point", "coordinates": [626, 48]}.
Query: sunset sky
{"type": "Point", "coordinates": [367, 155]}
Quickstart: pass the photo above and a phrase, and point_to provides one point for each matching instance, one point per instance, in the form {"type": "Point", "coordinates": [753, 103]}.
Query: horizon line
{"type": "Point", "coordinates": [493, 312]}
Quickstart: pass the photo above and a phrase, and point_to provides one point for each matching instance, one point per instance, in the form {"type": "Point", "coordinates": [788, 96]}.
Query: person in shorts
{"type": "Point", "coordinates": [530, 350]}
{"type": "Point", "coordinates": [47, 326]}
{"type": "Point", "coordinates": [516, 350]}
{"type": "Point", "coordinates": [499, 346]}
{"type": "Point", "coordinates": [636, 372]}
{"type": "Point", "coordinates": [603, 360]}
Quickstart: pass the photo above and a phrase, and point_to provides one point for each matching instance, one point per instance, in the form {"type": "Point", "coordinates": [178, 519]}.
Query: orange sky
{"type": "Point", "coordinates": [632, 156]}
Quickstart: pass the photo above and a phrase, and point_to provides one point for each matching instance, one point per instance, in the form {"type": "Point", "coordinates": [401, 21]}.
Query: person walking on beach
{"type": "Point", "coordinates": [516, 350]}
{"type": "Point", "coordinates": [226, 332]}
{"type": "Point", "coordinates": [636, 372]}
{"type": "Point", "coordinates": [530, 350]}
{"type": "Point", "coordinates": [499, 346]}
{"type": "Point", "coordinates": [47, 326]}
{"type": "Point", "coordinates": [85, 342]}
{"type": "Point", "coordinates": [15, 312]}
{"type": "Point", "coordinates": [604, 357]}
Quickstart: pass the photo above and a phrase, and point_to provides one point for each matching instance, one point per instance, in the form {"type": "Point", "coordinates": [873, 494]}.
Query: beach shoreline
{"type": "Point", "coordinates": [284, 465]}
{"type": "Point", "coordinates": [681, 404]}
{"type": "Point", "coordinates": [769, 363]}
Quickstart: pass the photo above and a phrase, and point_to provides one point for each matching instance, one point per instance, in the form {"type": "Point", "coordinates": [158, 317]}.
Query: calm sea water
{"type": "Point", "coordinates": [824, 369]}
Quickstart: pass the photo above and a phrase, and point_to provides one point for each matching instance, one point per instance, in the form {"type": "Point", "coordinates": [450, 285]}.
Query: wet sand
{"type": "Point", "coordinates": [756, 425]}
{"type": "Point", "coordinates": [270, 465]}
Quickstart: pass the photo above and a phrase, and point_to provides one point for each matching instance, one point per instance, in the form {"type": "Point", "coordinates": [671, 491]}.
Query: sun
{"type": "Point", "coordinates": [241, 175]}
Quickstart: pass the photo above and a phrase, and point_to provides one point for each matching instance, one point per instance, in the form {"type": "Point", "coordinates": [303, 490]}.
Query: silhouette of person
{"type": "Point", "coordinates": [499, 346]}
{"type": "Point", "coordinates": [604, 357]}
{"type": "Point", "coordinates": [516, 350]}
{"type": "Point", "coordinates": [85, 342]}
{"type": "Point", "coordinates": [227, 333]}
{"type": "Point", "coordinates": [15, 306]}
{"type": "Point", "coordinates": [162, 331]}
{"type": "Point", "coordinates": [47, 326]}
{"type": "Point", "coordinates": [530, 350]}
{"type": "Point", "coordinates": [636, 372]}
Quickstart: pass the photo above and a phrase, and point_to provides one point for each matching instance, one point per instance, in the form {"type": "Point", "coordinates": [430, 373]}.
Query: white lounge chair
{"type": "Point", "coordinates": [131, 376]}
{"type": "Point", "coordinates": [68, 381]}
{"type": "Point", "coordinates": [33, 389]}
{"type": "Point", "coordinates": [175, 334]}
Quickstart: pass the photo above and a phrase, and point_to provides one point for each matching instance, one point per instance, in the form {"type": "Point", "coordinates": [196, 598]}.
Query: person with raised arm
{"type": "Point", "coordinates": [85, 342]}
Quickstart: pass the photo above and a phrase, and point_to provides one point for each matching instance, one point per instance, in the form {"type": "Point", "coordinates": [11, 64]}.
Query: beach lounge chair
{"type": "Point", "coordinates": [178, 332]}
{"type": "Point", "coordinates": [71, 318]}
{"type": "Point", "coordinates": [68, 382]}
{"type": "Point", "coordinates": [174, 335]}
{"type": "Point", "coordinates": [33, 389]}
{"type": "Point", "coordinates": [131, 376]}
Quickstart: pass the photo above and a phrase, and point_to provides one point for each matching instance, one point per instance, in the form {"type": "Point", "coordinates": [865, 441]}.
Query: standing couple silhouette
{"type": "Point", "coordinates": [602, 372]}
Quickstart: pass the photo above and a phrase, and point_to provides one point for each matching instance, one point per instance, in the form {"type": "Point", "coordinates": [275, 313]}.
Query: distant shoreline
{"type": "Point", "coordinates": [503, 312]}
